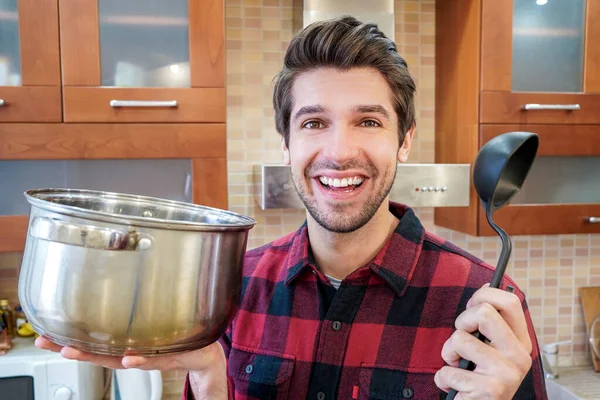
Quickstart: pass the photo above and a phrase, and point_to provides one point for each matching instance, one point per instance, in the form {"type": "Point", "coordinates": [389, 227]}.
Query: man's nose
{"type": "Point", "coordinates": [341, 145]}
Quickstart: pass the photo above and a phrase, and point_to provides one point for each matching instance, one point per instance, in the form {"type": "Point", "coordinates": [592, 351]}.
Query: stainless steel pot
{"type": "Point", "coordinates": [113, 273]}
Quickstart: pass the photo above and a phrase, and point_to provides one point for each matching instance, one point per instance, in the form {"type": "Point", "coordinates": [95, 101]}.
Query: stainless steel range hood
{"type": "Point", "coordinates": [416, 185]}
{"type": "Point", "coordinates": [380, 12]}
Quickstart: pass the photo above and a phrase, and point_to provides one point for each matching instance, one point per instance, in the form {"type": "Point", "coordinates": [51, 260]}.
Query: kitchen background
{"type": "Point", "coordinates": [549, 269]}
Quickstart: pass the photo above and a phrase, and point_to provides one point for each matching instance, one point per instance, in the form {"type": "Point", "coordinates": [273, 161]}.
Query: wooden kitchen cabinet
{"type": "Point", "coordinates": [517, 65]}
{"type": "Point", "coordinates": [60, 126]}
{"type": "Point", "coordinates": [29, 62]}
{"type": "Point", "coordinates": [182, 162]}
{"type": "Point", "coordinates": [143, 61]}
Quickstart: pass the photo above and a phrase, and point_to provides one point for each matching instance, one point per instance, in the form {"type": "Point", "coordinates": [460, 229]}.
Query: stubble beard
{"type": "Point", "coordinates": [337, 220]}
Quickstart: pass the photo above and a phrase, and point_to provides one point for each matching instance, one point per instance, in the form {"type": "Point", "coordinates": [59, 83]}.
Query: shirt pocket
{"type": "Point", "coordinates": [260, 374]}
{"type": "Point", "coordinates": [383, 382]}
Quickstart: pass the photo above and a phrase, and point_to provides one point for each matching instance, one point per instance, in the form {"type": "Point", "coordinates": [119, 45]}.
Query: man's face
{"type": "Point", "coordinates": [343, 145]}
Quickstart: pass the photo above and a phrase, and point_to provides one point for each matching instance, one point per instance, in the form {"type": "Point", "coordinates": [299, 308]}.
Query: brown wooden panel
{"type": "Point", "coordinates": [551, 219]}
{"type": "Point", "coordinates": [496, 44]}
{"type": "Point", "coordinates": [457, 98]}
{"type": "Point", "coordinates": [209, 177]}
{"type": "Point", "coordinates": [13, 231]}
{"type": "Point", "coordinates": [30, 104]}
{"type": "Point", "coordinates": [506, 107]}
{"type": "Point", "coordinates": [101, 141]}
{"type": "Point", "coordinates": [207, 43]}
{"type": "Point", "coordinates": [591, 82]}
{"type": "Point", "coordinates": [555, 140]}
{"type": "Point", "coordinates": [89, 104]}
{"type": "Point", "coordinates": [80, 42]}
{"type": "Point", "coordinates": [38, 35]}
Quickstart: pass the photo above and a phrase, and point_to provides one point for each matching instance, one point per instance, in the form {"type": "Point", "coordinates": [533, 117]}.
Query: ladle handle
{"type": "Point", "coordinates": [495, 283]}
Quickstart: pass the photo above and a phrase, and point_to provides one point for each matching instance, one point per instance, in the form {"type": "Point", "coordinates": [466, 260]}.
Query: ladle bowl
{"type": "Point", "coordinates": [501, 167]}
{"type": "Point", "coordinates": [499, 171]}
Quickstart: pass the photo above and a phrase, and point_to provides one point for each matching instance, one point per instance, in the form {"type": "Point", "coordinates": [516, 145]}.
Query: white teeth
{"type": "Point", "coordinates": [344, 182]}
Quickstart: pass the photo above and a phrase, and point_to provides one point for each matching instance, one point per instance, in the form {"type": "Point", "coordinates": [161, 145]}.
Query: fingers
{"type": "Point", "coordinates": [43, 343]}
{"type": "Point", "coordinates": [510, 308]}
{"type": "Point", "coordinates": [464, 345]}
{"type": "Point", "coordinates": [487, 320]}
{"type": "Point", "coordinates": [113, 362]}
{"type": "Point", "coordinates": [163, 363]}
{"type": "Point", "coordinates": [196, 360]}
{"type": "Point", "coordinates": [469, 384]}
{"type": "Point", "coordinates": [73, 354]}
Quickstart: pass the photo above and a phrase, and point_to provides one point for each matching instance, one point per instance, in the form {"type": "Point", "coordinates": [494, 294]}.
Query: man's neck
{"type": "Point", "coordinates": [340, 254]}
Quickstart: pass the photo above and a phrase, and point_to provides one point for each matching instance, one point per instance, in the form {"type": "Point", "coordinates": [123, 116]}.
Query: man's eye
{"type": "Point", "coordinates": [370, 123]}
{"type": "Point", "coordinates": [313, 125]}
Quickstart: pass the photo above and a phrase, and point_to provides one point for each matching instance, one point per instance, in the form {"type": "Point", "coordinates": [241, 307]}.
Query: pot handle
{"type": "Point", "coordinates": [88, 236]}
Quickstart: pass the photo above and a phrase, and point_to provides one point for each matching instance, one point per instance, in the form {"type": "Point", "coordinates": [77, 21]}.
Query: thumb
{"type": "Point", "coordinates": [197, 360]}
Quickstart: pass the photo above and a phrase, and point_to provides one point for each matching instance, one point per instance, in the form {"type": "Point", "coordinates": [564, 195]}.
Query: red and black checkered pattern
{"type": "Point", "coordinates": [379, 336]}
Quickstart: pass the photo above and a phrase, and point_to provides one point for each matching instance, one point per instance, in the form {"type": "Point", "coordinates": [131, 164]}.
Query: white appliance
{"type": "Point", "coordinates": [28, 373]}
{"type": "Point", "coordinates": [136, 384]}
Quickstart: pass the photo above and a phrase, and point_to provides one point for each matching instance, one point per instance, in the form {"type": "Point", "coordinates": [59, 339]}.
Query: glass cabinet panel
{"type": "Point", "coordinates": [10, 53]}
{"type": "Point", "coordinates": [165, 178]}
{"type": "Point", "coordinates": [144, 43]}
{"type": "Point", "coordinates": [548, 45]}
{"type": "Point", "coordinates": [564, 180]}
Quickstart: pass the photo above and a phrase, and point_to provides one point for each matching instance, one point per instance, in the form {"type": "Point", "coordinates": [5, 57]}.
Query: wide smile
{"type": "Point", "coordinates": [340, 187]}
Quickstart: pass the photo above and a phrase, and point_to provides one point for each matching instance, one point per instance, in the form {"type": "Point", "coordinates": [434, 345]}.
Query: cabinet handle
{"type": "Point", "coordinates": [594, 220]}
{"type": "Point", "coordinates": [568, 107]}
{"type": "Point", "coordinates": [187, 189]}
{"type": "Point", "coordinates": [142, 103]}
{"type": "Point", "coordinates": [1, 103]}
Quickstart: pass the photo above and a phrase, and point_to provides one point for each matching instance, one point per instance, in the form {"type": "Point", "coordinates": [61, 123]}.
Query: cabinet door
{"type": "Point", "coordinates": [561, 194]}
{"type": "Point", "coordinates": [540, 61]}
{"type": "Point", "coordinates": [143, 60]}
{"type": "Point", "coordinates": [29, 61]}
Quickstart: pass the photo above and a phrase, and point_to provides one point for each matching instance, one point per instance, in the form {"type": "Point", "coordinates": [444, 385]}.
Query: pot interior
{"type": "Point", "coordinates": [141, 209]}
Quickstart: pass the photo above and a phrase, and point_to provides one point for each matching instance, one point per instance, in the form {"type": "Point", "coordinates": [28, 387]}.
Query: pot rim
{"type": "Point", "coordinates": [36, 197]}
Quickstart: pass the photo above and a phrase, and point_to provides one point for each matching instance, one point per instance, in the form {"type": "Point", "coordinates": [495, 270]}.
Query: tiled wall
{"type": "Point", "coordinates": [548, 268]}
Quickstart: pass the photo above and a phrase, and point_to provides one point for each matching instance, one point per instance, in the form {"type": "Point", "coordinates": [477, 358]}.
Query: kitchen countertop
{"type": "Point", "coordinates": [583, 381]}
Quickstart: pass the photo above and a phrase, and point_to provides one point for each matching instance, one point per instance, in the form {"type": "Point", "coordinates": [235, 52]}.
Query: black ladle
{"type": "Point", "coordinates": [499, 172]}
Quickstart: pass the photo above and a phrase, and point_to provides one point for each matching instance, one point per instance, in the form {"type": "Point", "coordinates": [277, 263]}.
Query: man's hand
{"type": "Point", "coordinates": [207, 366]}
{"type": "Point", "coordinates": [502, 364]}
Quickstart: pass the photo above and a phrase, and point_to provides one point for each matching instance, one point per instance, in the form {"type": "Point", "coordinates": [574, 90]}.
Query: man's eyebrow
{"type": "Point", "coordinates": [372, 108]}
{"type": "Point", "coordinates": [312, 109]}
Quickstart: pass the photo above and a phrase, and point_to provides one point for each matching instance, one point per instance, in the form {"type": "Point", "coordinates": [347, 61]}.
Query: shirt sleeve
{"type": "Point", "coordinates": [533, 386]}
{"type": "Point", "coordinates": [225, 341]}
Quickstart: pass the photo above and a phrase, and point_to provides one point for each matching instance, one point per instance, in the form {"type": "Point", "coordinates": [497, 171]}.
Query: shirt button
{"type": "Point", "coordinates": [249, 368]}
{"type": "Point", "coordinates": [336, 325]}
{"type": "Point", "coordinates": [408, 393]}
{"type": "Point", "coordinates": [320, 396]}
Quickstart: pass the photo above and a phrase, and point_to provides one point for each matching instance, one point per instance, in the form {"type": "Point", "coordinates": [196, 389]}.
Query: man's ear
{"type": "Point", "coordinates": [406, 146]}
{"type": "Point", "coordinates": [286, 151]}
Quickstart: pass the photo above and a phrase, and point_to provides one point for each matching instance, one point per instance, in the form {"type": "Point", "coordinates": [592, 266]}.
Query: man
{"type": "Point", "coordinates": [360, 302]}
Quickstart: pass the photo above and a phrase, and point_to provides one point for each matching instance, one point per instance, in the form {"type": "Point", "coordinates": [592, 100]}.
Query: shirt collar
{"type": "Point", "coordinates": [395, 262]}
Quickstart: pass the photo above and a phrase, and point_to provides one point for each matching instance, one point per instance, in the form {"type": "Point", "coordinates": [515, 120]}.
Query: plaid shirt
{"type": "Point", "coordinates": [379, 336]}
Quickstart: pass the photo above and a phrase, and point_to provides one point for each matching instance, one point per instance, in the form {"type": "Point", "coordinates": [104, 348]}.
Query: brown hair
{"type": "Point", "coordinates": [344, 43]}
